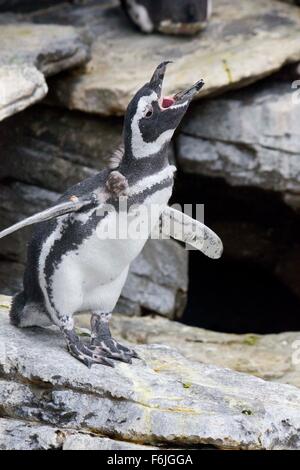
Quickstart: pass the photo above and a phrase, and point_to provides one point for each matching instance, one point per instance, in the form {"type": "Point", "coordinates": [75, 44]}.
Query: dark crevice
{"type": "Point", "coordinates": [255, 286]}
{"type": "Point", "coordinates": [236, 297]}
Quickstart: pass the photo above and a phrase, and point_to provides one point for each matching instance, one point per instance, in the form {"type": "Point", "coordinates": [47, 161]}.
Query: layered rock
{"type": "Point", "coordinates": [162, 398]}
{"type": "Point", "coordinates": [29, 52]}
{"type": "Point", "coordinates": [249, 138]}
{"type": "Point", "coordinates": [243, 42]}
{"type": "Point", "coordinates": [21, 435]}
{"type": "Point", "coordinates": [55, 149]}
{"type": "Point", "coordinates": [25, 5]}
{"type": "Point", "coordinates": [274, 357]}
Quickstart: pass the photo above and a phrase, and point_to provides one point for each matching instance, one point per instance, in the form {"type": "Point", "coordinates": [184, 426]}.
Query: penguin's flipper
{"type": "Point", "coordinates": [72, 205]}
{"type": "Point", "coordinates": [188, 230]}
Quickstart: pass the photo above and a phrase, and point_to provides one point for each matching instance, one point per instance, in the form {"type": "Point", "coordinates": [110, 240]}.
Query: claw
{"type": "Point", "coordinates": [113, 349]}
{"type": "Point", "coordinates": [85, 354]}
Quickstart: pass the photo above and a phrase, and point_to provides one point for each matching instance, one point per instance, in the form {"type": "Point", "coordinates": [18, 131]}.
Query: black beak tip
{"type": "Point", "coordinates": [161, 69]}
{"type": "Point", "coordinates": [200, 84]}
{"type": "Point", "coordinates": [165, 63]}
{"type": "Point", "coordinates": [159, 73]}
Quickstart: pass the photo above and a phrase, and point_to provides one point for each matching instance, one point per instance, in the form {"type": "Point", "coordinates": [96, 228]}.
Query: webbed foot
{"type": "Point", "coordinates": [82, 352]}
{"type": "Point", "coordinates": [113, 349]}
{"type": "Point", "coordinates": [102, 340]}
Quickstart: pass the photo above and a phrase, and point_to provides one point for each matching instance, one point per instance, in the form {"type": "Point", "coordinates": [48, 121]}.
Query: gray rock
{"type": "Point", "coordinates": [28, 52]}
{"type": "Point", "coordinates": [19, 200]}
{"type": "Point", "coordinates": [274, 357]}
{"type": "Point", "coordinates": [250, 138]}
{"type": "Point", "coordinates": [24, 435]}
{"type": "Point", "coordinates": [11, 276]}
{"type": "Point", "coordinates": [157, 281]}
{"type": "Point", "coordinates": [80, 441]}
{"type": "Point", "coordinates": [161, 399]}
{"type": "Point", "coordinates": [25, 5]}
{"type": "Point", "coordinates": [21, 86]}
{"type": "Point", "coordinates": [243, 42]}
{"type": "Point", "coordinates": [20, 435]}
{"type": "Point", "coordinates": [55, 148]}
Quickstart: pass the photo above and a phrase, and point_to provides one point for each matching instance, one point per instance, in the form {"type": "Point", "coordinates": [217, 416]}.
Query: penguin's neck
{"type": "Point", "coordinates": [135, 169]}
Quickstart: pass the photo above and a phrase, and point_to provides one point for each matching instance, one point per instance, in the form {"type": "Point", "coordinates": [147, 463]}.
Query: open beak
{"type": "Point", "coordinates": [166, 102]}
{"type": "Point", "coordinates": [183, 96]}
{"type": "Point", "coordinates": [157, 79]}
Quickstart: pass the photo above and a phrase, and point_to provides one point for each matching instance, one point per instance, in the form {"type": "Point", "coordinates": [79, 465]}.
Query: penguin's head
{"type": "Point", "coordinates": [151, 118]}
{"type": "Point", "coordinates": [169, 16]}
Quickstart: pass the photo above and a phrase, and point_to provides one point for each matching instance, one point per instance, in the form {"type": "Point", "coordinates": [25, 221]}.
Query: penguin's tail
{"type": "Point", "coordinates": [16, 310]}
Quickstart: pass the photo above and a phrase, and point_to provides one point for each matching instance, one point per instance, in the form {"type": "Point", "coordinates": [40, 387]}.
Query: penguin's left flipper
{"type": "Point", "coordinates": [188, 230]}
{"type": "Point", "coordinates": [72, 205]}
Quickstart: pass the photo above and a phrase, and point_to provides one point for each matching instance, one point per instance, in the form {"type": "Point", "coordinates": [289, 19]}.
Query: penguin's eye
{"type": "Point", "coordinates": [149, 112]}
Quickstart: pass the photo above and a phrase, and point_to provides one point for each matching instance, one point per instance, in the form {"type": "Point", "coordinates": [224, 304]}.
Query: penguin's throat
{"type": "Point", "coordinates": [133, 168]}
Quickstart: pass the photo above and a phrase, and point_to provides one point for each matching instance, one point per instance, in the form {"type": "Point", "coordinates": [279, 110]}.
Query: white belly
{"type": "Point", "coordinates": [93, 276]}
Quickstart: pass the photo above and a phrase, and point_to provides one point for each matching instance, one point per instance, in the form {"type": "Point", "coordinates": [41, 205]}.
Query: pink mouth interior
{"type": "Point", "coordinates": [167, 102]}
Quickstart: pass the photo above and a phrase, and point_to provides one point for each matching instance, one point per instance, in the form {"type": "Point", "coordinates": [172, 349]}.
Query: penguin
{"type": "Point", "coordinates": [71, 266]}
{"type": "Point", "coordinates": [183, 17]}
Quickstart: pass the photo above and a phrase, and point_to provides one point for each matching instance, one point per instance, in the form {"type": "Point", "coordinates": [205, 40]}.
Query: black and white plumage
{"type": "Point", "coordinates": [168, 16]}
{"type": "Point", "coordinates": [71, 268]}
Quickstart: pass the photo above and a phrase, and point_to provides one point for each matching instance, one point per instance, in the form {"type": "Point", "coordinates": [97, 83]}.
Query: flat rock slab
{"type": "Point", "coordinates": [243, 42]}
{"type": "Point", "coordinates": [161, 399]}
{"type": "Point", "coordinates": [274, 357]}
{"type": "Point", "coordinates": [28, 53]}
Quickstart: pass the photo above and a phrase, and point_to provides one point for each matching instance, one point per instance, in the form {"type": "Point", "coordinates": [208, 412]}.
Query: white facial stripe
{"type": "Point", "coordinates": [149, 181]}
{"type": "Point", "coordinates": [177, 106]}
{"type": "Point", "coordinates": [144, 103]}
{"type": "Point", "coordinates": [140, 148]}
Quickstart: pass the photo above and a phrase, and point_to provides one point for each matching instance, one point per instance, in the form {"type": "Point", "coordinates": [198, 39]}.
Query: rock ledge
{"type": "Point", "coordinates": [163, 399]}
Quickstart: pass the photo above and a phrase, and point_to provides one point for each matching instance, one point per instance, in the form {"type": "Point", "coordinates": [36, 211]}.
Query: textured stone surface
{"type": "Point", "coordinates": [274, 357]}
{"type": "Point", "coordinates": [26, 5]}
{"type": "Point", "coordinates": [20, 86]}
{"type": "Point", "coordinates": [161, 399]}
{"type": "Point", "coordinates": [55, 149]}
{"type": "Point", "coordinates": [80, 441]}
{"type": "Point", "coordinates": [21, 435]}
{"type": "Point", "coordinates": [250, 138]}
{"type": "Point", "coordinates": [244, 41]}
{"type": "Point", "coordinates": [28, 52]}
{"type": "Point", "coordinates": [19, 200]}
